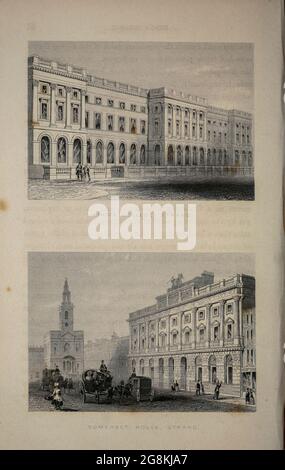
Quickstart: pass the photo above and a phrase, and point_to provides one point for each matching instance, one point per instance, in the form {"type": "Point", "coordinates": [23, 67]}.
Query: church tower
{"type": "Point", "coordinates": [66, 310]}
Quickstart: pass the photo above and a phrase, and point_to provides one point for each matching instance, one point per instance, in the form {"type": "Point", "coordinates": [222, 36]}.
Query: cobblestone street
{"type": "Point", "coordinates": [200, 188]}
{"type": "Point", "coordinates": [164, 401]}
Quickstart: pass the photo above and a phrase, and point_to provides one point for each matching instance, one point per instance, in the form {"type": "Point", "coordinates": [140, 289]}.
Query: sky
{"type": "Point", "coordinates": [106, 287]}
{"type": "Point", "coordinates": [220, 72]}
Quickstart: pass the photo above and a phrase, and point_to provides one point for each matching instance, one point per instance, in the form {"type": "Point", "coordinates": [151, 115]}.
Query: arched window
{"type": "Point", "coordinates": [220, 157]}
{"type": "Point", "coordinates": [122, 153]}
{"type": "Point", "coordinates": [157, 155]}
{"type": "Point", "coordinates": [61, 150]}
{"type": "Point", "coordinates": [209, 157]}
{"type": "Point", "coordinates": [133, 154]}
{"type": "Point", "coordinates": [198, 369]}
{"type": "Point", "coordinates": [183, 373]}
{"type": "Point", "coordinates": [66, 315]}
{"type": "Point", "coordinates": [77, 151]}
{"type": "Point", "coordinates": [229, 369]}
{"type": "Point", "coordinates": [249, 159]}
{"type": "Point", "coordinates": [202, 156]}
{"type": "Point", "coordinates": [170, 155]}
{"type": "Point", "coordinates": [187, 155]}
{"type": "Point", "coordinates": [171, 371]}
{"type": "Point", "coordinates": [110, 153]}
{"type": "Point", "coordinates": [99, 152]}
{"type": "Point", "coordinates": [179, 155]}
{"type": "Point", "coordinates": [236, 157]}
{"type": "Point", "coordinates": [89, 152]}
{"type": "Point", "coordinates": [214, 157]}
{"type": "Point", "coordinates": [142, 155]}
{"type": "Point", "coordinates": [195, 156]}
{"type": "Point", "coordinates": [212, 369]}
{"type": "Point", "coordinates": [45, 149]}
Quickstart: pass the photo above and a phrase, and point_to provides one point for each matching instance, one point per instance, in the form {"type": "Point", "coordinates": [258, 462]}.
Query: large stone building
{"type": "Point", "coordinates": [114, 352]}
{"type": "Point", "coordinates": [125, 130]}
{"type": "Point", "coordinates": [198, 330]}
{"type": "Point", "coordinates": [65, 347]}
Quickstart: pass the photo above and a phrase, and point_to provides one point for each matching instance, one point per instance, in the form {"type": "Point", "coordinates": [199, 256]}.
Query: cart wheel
{"type": "Point", "coordinates": [138, 397]}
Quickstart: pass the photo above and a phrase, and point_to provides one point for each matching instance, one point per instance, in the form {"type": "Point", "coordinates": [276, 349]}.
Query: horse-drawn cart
{"type": "Point", "coordinates": [95, 384]}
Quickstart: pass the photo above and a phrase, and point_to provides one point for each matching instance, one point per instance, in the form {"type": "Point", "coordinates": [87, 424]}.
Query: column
{"type": "Point", "coordinates": [53, 160]}
{"type": "Point", "coordinates": [194, 323]}
{"type": "Point", "coordinates": [83, 93]}
{"type": "Point", "coordinates": [190, 124]}
{"type": "Point", "coordinates": [156, 336]}
{"type": "Point", "coordinates": [180, 330]}
{"type": "Point", "coordinates": [68, 106]}
{"type": "Point", "coordinates": [53, 105]}
{"type": "Point", "coordinates": [84, 153]}
{"type": "Point", "coordinates": [173, 121]}
{"type": "Point", "coordinates": [35, 101]}
{"type": "Point", "coordinates": [236, 320]}
{"type": "Point", "coordinates": [222, 322]}
{"type": "Point", "coordinates": [168, 333]}
{"type": "Point", "coordinates": [208, 320]}
{"type": "Point", "coordinates": [146, 336]}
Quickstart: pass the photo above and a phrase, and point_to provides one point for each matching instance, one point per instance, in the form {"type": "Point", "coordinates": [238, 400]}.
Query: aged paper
{"type": "Point", "coordinates": [107, 287]}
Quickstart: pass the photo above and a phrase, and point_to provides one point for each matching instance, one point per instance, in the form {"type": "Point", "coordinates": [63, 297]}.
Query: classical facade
{"type": "Point", "coordinates": [198, 330]}
{"type": "Point", "coordinates": [114, 351]}
{"type": "Point", "coordinates": [124, 130]}
{"type": "Point", "coordinates": [65, 347]}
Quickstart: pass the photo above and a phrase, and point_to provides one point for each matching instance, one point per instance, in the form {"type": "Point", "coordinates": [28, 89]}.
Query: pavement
{"type": "Point", "coordinates": [179, 189]}
{"type": "Point", "coordinates": [164, 402]}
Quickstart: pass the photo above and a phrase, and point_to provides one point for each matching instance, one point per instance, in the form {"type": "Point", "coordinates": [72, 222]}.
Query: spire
{"type": "Point", "coordinates": [66, 292]}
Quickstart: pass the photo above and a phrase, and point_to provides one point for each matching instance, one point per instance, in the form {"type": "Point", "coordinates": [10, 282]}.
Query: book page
{"type": "Point", "coordinates": [142, 234]}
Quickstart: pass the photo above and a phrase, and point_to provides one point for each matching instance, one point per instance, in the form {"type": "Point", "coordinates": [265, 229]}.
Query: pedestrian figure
{"type": "Point", "coordinates": [198, 388]}
{"type": "Point", "coordinates": [217, 390]}
{"type": "Point", "coordinates": [88, 172]}
{"type": "Point", "coordinates": [202, 387]}
{"type": "Point", "coordinates": [84, 171]}
{"type": "Point", "coordinates": [173, 387]}
{"type": "Point", "coordinates": [77, 171]}
{"type": "Point", "coordinates": [57, 400]}
{"type": "Point", "coordinates": [176, 386]}
{"type": "Point", "coordinates": [251, 397]}
{"type": "Point", "coordinates": [247, 397]}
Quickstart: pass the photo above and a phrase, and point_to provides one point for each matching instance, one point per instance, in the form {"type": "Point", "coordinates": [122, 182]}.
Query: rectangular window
{"type": "Point", "coordinates": [133, 126]}
{"type": "Point", "coordinates": [229, 308]}
{"type": "Point", "coordinates": [97, 121]}
{"type": "Point", "coordinates": [237, 138]}
{"type": "Point", "coordinates": [121, 124]}
{"type": "Point", "coordinates": [174, 338]}
{"type": "Point", "coordinates": [201, 315]}
{"type": "Point", "coordinates": [143, 109]}
{"type": "Point", "coordinates": [177, 127]}
{"type": "Point", "coordinates": [169, 109]}
{"type": "Point", "coordinates": [86, 98]}
{"type": "Point", "coordinates": [60, 112]}
{"type": "Point", "coordinates": [143, 127]}
{"type": "Point", "coordinates": [202, 334]}
{"type": "Point", "coordinates": [110, 103]}
{"type": "Point", "coordinates": [133, 107]}
{"type": "Point", "coordinates": [193, 130]}
{"type": "Point", "coordinates": [174, 321]}
{"type": "Point", "coordinates": [216, 333]}
{"type": "Point", "coordinates": [156, 126]}
{"type": "Point", "coordinates": [98, 100]}
{"type": "Point", "coordinates": [110, 122]}
{"type": "Point", "coordinates": [44, 110]}
{"type": "Point", "coordinates": [201, 132]}
{"type": "Point", "coordinates": [216, 311]}
{"type": "Point", "coordinates": [229, 332]}
{"type": "Point", "coordinates": [186, 129]}
{"type": "Point", "coordinates": [44, 89]}
{"type": "Point", "coordinates": [247, 139]}
{"type": "Point", "coordinates": [169, 127]}
{"type": "Point", "coordinates": [75, 94]}
{"type": "Point", "coordinates": [122, 105]}
{"type": "Point", "coordinates": [75, 115]}
{"type": "Point", "coordinates": [60, 91]}
{"type": "Point", "coordinates": [220, 137]}
{"type": "Point", "coordinates": [209, 135]}
{"type": "Point", "coordinates": [87, 119]}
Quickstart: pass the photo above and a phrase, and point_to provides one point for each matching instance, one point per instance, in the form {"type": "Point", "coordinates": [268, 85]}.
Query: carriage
{"type": "Point", "coordinates": [95, 384]}
{"type": "Point", "coordinates": [49, 378]}
{"type": "Point", "coordinates": [141, 388]}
